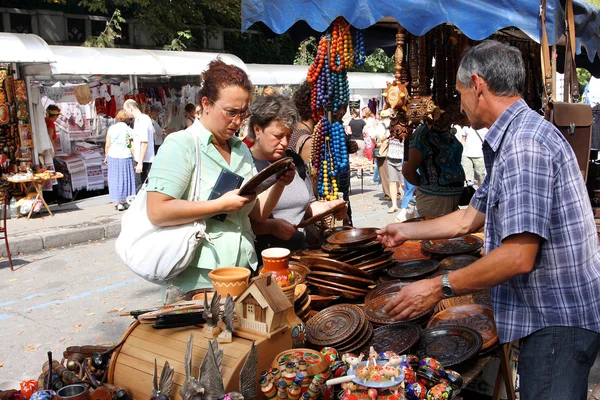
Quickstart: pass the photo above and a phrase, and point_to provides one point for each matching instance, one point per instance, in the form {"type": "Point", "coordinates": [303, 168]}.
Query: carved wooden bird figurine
{"type": "Point", "coordinates": [191, 389]}
{"type": "Point", "coordinates": [248, 375]}
{"type": "Point", "coordinates": [211, 316]}
{"type": "Point", "coordinates": [227, 320]}
{"type": "Point", "coordinates": [210, 372]}
{"type": "Point", "coordinates": [162, 387]}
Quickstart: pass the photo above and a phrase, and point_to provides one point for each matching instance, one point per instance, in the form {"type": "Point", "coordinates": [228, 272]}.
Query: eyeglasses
{"type": "Point", "coordinates": [243, 115]}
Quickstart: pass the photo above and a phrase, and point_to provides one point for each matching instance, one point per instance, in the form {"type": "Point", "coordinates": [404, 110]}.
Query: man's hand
{"type": "Point", "coordinates": [414, 299]}
{"type": "Point", "coordinates": [282, 229]}
{"type": "Point", "coordinates": [232, 201]}
{"type": "Point", "coordinates": [138, 168]}
{"type": "Point", "coordinates": [390, 236]}
{"type": "Point", "coordinates": [288, 176]}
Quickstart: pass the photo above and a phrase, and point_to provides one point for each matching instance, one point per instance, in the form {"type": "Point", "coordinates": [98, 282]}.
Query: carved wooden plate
{"type": "Point", "coordinates": [311, 220]}
{"type": "Point", "coordinates": [334, 324]}
{"type": "Point", "coordinates": [413, 269]}
{"type": "Point", "coordinates": [376, 315]}
{"type": "Point", "coordinates": [266, 178]}
{"type": "Point", "coordinates": [474, 316]}
{"type": "Point", "coordinates": [319, 302]}
{"type": "Point", "coordinates": [300, 271]}
{"type": "Point", "coordinates": [397, 337]}
{"type": "Point", "coordinates": [353, 237]}
{"type": "Point", "coordinates": [409, 251]}
{"type": "Point", "coordinates": [385, 288]}
{"type": "Point", "coordinates": [330, 231]}
{"type": "Point", "coordinates": [343, 279]}
{"type": "Point", "coordinates": [459, 245]}
{"type": "Point", "coordinates": [483, 297]}
{"type": "Point", "coordinates": [378, 265]}
{"type": "Point", "coordinates": [330, 248]}
{"type": "Point", "coordinates": [313, 279]}
{"type": "Point", "coordinates": [450, 345]}
{"type": "Point", "coordinates": [361, 341]}
{"type": "Point", "coordinates": [361, 256]}
{"type": "Point", "coordinates": [332, 291]}
{"type": "Point", "coordinates": [456, 262]}
{"type": "Point", "coordinates": [297, 255]}
{"type": "Point", "coordinates": [386, 255]}
{"type": "Point", "coordinates": [326, 264]}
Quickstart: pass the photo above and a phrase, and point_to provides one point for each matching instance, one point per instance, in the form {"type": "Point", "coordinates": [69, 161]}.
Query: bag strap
{"type": "Point", "coordinates": [571, 85]}
{"type": "Point", "coordinates": [546, 68]}
{"type": "Point", "coordinates": [478, 135]}
{"type": "Point", "coordinates": [195, 192]}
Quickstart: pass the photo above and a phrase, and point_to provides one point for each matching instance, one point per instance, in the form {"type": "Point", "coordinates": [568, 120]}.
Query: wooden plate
{"type": "Point", "coordinates": [413, 269]}
{"type": "Point", "coordinates": [409, 251]}
{"type": "Point", "coordinates": [397, 337]}
{"type": "Point", "coordinates": [330, 248]}
{"type": "Point", "coordinates": [474, 316]}
{"type": "Point", "coordinates": [456, 262]}
{"type": "Point", "coordinates": [299, 291]}
{"type": "Point", "coordinates": [320, 216]}
{"type": "Point", "coordinates": [376, 315]}
{"type": "Point", "coordinates": [459, 245]}
{"type": "Point", "coordinates": [360, 342]}
{"type": "Point", "coordinates": [330, 231]}
{"type": "Point", "coordinates": [334, 324]}
{"type": "Point", "coordinates": [326, 264]}
{"type": "Point", "coordinates": [385, 256]}
{"type": "Point", "coordinates": [319, 302]}
{"type": "Point", "coordinates": [450, 345]}
{"type": "Point", "coordinates": [376, 265]}
{"type": "Point", "coordinates": [297, 255]}
{"type": "Point", "coordinates": [370, 257]}
{"type": "Point", "coordinates": [300, 271]}
{"type": "Point", "coordinates": [331, 291]}
{"type": "Point", "coordinates": [343, 279]}
{"type": "Point", "coordinates": [313, 279]}
{"type": "Point", "coordinates": [353, 237]}
{"type": "Point", "coordinates": [379, 267]}
{"type": "Point", "coordinates": [385, 288]}
{"type": "Point", "coordinates": [315, 361]}
{"type": "Point", "coordinates": [483, 298]}
{"type": "Point", "coordinates": [266, 178]}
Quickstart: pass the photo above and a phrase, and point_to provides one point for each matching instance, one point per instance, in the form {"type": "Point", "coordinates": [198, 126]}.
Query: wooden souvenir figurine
{"type": "Point", "coordinates": [211, 316]}
{"type": "Point", "coordinates": [162, 387]}
{"type": "Point", "coordinates": [191, 389]}
{"type": "Point", "coordinates": [226, 322]}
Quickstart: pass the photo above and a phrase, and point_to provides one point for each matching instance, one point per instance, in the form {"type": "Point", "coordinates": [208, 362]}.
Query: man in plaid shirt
{"type": "Point", "coordinates": [542, 259]}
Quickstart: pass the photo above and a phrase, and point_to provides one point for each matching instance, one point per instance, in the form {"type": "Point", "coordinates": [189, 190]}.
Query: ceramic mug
{"type": "Point", "coordinates": [73, 392]}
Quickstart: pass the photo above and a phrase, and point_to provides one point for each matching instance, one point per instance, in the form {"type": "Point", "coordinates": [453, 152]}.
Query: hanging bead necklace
{"type": "Point", "coordinates": [359, 50]}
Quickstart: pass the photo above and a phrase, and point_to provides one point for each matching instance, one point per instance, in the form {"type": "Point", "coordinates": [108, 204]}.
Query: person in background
{"type": "Point", "coordinates": [198, 113]}
{"type": "Point", "coordinates": [472, 155]}
{"type": "Point", "coordinates": [301, 140]}
{"type": "Point", "coordinates": [542, 260]}
{"type": "Point", "coordinates": [52, 113]}
{"type": "Point", "coordinates": [357, 126]}
{"type": "Point", "coordinates": [143, 141]}
{"type": "Point", "coordinates": [226, 92]}
{"type": "Point", "coordinates": [159, 133]}
{"type": "Point", "coordinates": [121, 175]}
{"type": "Point", "coordinates": [273, 119]}
{"type": "Point", "coordinates": [190, 114]}
{"type": "Point", "coordinates": [394, 168]}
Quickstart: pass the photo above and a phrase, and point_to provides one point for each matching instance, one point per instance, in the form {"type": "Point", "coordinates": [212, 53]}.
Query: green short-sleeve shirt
{"type": "Point", "coordinates": [172, 173]}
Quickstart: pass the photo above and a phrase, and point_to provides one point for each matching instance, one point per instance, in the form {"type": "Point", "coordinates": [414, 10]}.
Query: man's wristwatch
{"type": "Point", "coordinates": [447, 290]}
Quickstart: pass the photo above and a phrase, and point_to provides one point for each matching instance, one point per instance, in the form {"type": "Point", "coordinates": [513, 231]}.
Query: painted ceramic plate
{"type": "Point", "coordinates": [320, 216]}
{"type": "Point", "coordinates": [450, 345]}
{"type": "Point", "coordinates": [266, 178]}
{"type": "Point", "coordinates": [326, 264]}
{"type": "Point", "coordinates": [383, 384]}
{"type": "Point", "coordinates": [4, 114]}
{"type": "Point", "coordinates": [353, 237]}
{"type": "Point", "coordinates": [474, 316]}
{"type": "Point", "coordinates": [334, 324]}
{"type": "Point", "coordinates": [413, 269]}
{"type": "Point", "coordinates": [398, 337]}
{"type": "Point", "coordinates": [459, 245]}
{"type": "Point", "coordinates": [315, 362]}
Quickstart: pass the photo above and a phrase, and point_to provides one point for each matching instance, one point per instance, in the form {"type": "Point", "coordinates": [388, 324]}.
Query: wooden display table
{"type": "Point", "coordinates": [36, 182]}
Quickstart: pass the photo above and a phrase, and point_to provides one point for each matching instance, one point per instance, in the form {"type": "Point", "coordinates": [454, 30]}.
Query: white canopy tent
{"type": "Point", "coordinates": [24, 48]}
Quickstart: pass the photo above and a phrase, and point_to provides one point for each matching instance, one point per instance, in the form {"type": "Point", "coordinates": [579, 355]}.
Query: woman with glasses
{"type": "Point", "coordinates": [225, 96]}
{"type": "Point", "coordinates": [271, 125]}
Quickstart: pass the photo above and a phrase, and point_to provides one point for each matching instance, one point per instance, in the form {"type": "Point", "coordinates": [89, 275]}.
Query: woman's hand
{"type": "Point", "coordinates": [288, 176]}
{"type": "Point", "coordinates": [282, 229]}
{"type": "Point", "coordinates": [232, 201]}
{"type": "Point", "coordinates": [390, 236]}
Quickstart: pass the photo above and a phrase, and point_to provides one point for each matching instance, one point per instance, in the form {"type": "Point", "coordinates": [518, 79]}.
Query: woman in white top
{"type": "Point", "coordinates": [121, 175]}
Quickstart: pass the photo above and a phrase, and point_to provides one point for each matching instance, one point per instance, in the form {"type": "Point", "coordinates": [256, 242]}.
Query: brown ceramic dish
{"type": "Point", "coordinates": [266, 178]}
{"type": "Point", "coordinates": [397, 337]}
{"type": "Point", "coordinates": [413, 269]}
{"type": "Point", "coordinates": [459, 245]}
{"type": "Point", "coordinates": [324, 282]}
{"type": "Point", "coordinates": [353, 237]}
{"type": "Point", "coordinates": [334, 324]}
{"type": "Point", "coordinates": [325, 264]}
{"type": "Point", "coordinates": [318, 217]}
{"type": "Point", "coordinates": [450, 345]}
{"type": "Point", "coordinates": [456, 262]}
{"type": "Point", "coordinates": [343, 279]}
{"type": "Point", "coordinates": [474, 316]}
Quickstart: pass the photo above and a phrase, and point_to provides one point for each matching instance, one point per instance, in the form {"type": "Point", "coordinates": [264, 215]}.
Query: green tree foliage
{"type": "Point", "coordinates": [178, 44]}
{"type": "Point", "coordinates": [257, 48]}
{"type": "Point", "coordinates": [110, 34]}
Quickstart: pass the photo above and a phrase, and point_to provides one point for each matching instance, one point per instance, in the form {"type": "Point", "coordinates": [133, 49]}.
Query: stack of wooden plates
{"type": "Point", "coordinates": [378, 317]}
{"type": "Point", "coordinates": [302, 302]}
{"type": "Point", "coordinates": [483, 298]}
{"type": "Point", "coordinates": [334, 278]}
{"type": "Point", "coordinates": [301, 271]}
{"type": "Point", "coordinates": [342, 326]}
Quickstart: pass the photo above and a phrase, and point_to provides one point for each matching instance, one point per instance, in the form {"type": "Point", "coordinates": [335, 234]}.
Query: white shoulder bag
{"type": "Point", "coordinates": [158, 254]}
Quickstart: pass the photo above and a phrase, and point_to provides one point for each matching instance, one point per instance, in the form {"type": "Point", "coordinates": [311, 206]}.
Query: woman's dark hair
{"type": "Point", "coordinates": [52, 110]}
{"type": "Point", "coordinates": [189, 107]}
{"type": "Point", "coordinates": [301, 99]}
{"type": "Point", "coordinates": [220, 75]}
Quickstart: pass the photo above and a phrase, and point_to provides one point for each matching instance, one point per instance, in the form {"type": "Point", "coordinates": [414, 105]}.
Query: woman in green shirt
{"type": "Point", "coordinates": [225, 96]}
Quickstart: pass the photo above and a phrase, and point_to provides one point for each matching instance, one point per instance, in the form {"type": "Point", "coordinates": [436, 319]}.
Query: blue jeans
{"type": "Point", "coordinates": [555, 363]}
{"type": "Point", "coordinates": [409, 190]}
{"type": "Point", "coordinates": [376, 175]}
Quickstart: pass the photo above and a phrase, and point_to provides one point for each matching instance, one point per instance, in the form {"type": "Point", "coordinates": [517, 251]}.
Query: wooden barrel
{"type": "Point", "coordinates": [132, 366]}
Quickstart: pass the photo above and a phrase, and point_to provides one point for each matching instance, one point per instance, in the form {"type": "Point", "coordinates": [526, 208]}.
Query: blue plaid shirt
{"type": "Point", "coordinates": [534, 185]}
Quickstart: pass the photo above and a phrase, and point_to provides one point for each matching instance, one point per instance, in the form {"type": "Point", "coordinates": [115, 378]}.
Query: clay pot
{"type": "Point", "coordinates": [230, 280]}
{"type": "Point", "coordinates": [276, 262]}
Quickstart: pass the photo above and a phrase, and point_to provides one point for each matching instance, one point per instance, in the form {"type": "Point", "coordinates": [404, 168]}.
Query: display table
{"type": "Point", "coordinates": [33, 186]}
